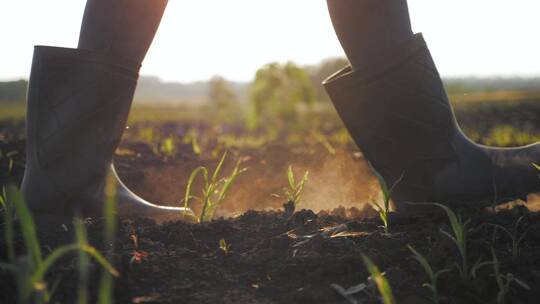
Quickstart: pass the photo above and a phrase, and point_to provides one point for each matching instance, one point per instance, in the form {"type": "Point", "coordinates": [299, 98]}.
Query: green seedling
{"type": "Point", "coordinates": [192, 138]}
{"type": "Point", "coordinates": [384, 208]}
{"type": "Point", "coordinates": [224, 246]}
{"type": "Point", "coordinates": [195, 146]}
{"type": "Point", "coordinates": [8, 212]}
{"type": "Point", "coordinates": [214, 190]}
{"type": "Point", "coordinates": [504, 281]}
{"type": "Point", "coordinates": [137, 256]}
{"type": "Point", "coordinates": [433, 276]}
{"type": "Point", "coordinates": [476, 267]}
{"type": "Point", "coordinates": [459, 237]}
{"type": "Point", "coordinates": [8, 157]}
{"type": "Point", "coordinates": [105, 292]}
{"type": "Point", "coordinates": [514, 236]}
{"type": "Point", "coordinates": [380, 281]}
{"type": "Point", "coordinates": [293, 192]}
{"type": "Point", "coordinates": [30, 270]}
{"type": "Point", "coordinates": [504, 287]}
{"type": "Point", "coordinates": [167, 147]}
{"type": "Point", "coordinates": [83, 263]}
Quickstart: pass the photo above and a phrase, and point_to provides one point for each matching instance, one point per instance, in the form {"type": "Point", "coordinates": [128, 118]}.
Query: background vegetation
{"type": "Point", "coordinates": [288, 97]}
{"type": "Point", "coordinates": [261, 136]}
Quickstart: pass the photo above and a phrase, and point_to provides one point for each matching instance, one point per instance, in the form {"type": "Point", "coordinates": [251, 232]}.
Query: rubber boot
{"type": "Point", "coordinates": [399, 115]}
{"type": "Point", "coordinates": [77, 108]}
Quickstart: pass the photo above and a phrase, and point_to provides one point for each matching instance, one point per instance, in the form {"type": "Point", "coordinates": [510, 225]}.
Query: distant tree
{"type": "Point", "coordinates": [220, 93]}
{"type": "Point", "coordinates": [323, 70]}
{"type": "Point", "coordinates": [13, 91]}
{"type": "Point", "coordinates": [277, 91]}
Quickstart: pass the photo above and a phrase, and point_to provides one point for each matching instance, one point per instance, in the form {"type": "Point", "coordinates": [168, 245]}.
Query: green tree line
{"type": "Point", "coordinates": [13, 91]}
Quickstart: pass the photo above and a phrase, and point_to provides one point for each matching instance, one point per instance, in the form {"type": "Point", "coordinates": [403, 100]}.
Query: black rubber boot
{"type": "Point", "coordinates": [78, 104]}
{"type": "Point", "coordinates": [397, 111]}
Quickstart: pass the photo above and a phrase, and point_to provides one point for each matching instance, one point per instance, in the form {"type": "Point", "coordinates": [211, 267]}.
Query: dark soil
{"type": "Point", "coordinates": [275, 256]}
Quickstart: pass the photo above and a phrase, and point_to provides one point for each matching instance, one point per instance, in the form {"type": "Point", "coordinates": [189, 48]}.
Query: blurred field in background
{"type": "Point", "coordinates": [282, 118]}
{"type": "Point", "coordinates": [489, 116]}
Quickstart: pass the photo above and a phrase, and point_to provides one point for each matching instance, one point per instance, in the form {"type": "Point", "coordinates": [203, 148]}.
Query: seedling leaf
{"type": "Point", "coordinates": [380, 281]}
{"type": "Point", "coordinates": [27, 225]}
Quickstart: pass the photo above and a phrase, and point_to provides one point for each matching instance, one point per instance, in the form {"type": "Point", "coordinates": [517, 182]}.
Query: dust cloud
{"type": "Point", "coordinates": [342, 179]}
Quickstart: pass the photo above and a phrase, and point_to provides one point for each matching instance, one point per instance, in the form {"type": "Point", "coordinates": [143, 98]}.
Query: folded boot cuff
{"type": "Point", "coordinates": [51, 54]}
{"type": "Point", "coordinates": [384, 62]}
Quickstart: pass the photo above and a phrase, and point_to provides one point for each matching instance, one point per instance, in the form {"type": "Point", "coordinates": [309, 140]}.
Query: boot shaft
{"type": "Point", "coordinates": [77, 108]}
{"type": "Point", "coordinates": [397, 111]}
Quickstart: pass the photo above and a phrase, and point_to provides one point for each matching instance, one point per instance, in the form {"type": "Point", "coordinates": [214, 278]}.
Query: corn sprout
{"type": "Point", "coordinates": [293, 192]}
{"type": "Point", "coordinates": [384, 208]}
{"type": "Point", "coordinates": [514, 236]}
{"type": "Point", "coordinates": [380, 281]}
{"type": "Point", "coordinates": [30, 276]}
{"type": "Point", "coordinates": [214, 190]}
{"type": "Point", "coordinates": [433, 276]}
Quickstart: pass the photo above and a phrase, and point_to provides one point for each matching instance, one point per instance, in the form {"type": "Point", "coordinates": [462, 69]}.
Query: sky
{"type": "Point", "coordinates": [233, 38]}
